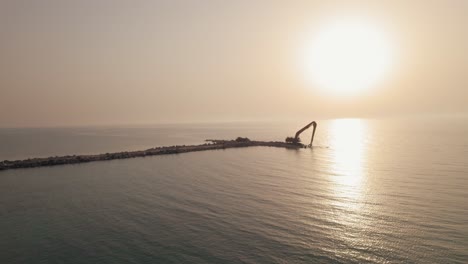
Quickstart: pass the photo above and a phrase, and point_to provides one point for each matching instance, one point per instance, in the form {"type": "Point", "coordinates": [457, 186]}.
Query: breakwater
{"type": "Point", "coordinates": [210, 145]}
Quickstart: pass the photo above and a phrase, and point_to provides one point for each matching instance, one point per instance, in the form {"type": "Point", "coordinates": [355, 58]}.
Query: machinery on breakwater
{"type": "Point", "coordinates": [297, 140]}
{"type": "Point", "coordinates": [240, 142]}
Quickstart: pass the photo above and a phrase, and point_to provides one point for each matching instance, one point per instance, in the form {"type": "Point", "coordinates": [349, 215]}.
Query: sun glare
{"type": "Point", "coordinates": [348, 57]}
{"type": "Point", "coordinates": [348, 141]}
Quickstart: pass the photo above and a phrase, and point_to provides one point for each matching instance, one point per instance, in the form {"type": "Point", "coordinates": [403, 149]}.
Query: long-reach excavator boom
{"type": "Point", "coordinates": [313, 123]}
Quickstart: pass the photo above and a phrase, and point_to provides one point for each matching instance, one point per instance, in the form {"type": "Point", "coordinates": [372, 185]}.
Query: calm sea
{"type": "Point", "coordinates": [368, 192]}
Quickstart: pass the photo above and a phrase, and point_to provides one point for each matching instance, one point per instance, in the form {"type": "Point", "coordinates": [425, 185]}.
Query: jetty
{"type": "Point", "coordinates": [211, 144]}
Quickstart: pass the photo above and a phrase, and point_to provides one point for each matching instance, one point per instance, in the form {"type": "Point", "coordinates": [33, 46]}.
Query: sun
{"type": "Point", "coordinates": [348, 57]}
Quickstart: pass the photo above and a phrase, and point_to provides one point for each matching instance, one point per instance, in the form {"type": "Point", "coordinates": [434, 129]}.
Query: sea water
{"type": "Point", "coordinates": [369, 191]}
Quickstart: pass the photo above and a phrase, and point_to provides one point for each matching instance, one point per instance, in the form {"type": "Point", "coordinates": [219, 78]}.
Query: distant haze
{"type": "Point", "coordinates": [93, 62]}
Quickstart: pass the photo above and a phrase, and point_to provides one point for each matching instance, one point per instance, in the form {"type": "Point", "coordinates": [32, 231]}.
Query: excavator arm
{"type": "Point", "coordinates": [314, 124]}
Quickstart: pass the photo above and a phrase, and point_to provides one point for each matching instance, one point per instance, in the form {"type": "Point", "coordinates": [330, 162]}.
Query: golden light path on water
{"type": "Point", "coordinates": [347, 140]}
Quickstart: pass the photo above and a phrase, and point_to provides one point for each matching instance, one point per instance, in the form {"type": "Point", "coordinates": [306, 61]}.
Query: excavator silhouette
{"type": "Point", "coordinates": [297, 140]}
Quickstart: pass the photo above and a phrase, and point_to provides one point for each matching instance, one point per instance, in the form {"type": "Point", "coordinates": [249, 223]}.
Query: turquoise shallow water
{"type": "Point", "coordinates": [369, 191]}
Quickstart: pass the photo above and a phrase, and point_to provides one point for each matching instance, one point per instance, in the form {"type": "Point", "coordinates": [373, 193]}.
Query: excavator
{"type": "Point", "coordinates": [297, 140]}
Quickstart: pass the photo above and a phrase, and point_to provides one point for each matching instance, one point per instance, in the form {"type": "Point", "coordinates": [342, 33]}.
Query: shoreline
{"type": "Point", "coordinates": [75, 159]}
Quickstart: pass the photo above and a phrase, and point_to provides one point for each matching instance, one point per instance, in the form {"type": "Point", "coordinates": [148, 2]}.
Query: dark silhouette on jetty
{"type": "Point", "coordinates": [297, 140]}
{"type": "Point", "coordinates": [211, 144]}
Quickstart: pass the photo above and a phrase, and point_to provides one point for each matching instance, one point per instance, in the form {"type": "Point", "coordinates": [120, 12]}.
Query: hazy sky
{"type": "Point", "coordinates": [122, 62]}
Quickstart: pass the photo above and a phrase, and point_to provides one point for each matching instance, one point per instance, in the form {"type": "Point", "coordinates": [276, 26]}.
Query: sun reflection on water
{"type": "Point", "coordinates": [348, 143]}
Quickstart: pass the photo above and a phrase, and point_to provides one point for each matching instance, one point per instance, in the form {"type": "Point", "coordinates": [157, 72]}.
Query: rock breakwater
{"type": "Point", "coordinates": [210, 145]}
